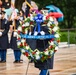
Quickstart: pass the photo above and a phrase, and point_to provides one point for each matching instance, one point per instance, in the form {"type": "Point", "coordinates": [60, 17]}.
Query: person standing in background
{"type": "Point", "coordinates": [0, 15]}
{"type": "Point", "coordinates": [13, 28]}
{"type": "Point", "coordinates": [26, 8]}
{"type": "Point", "coordinates": [6, 4]}
{"type": "Point", "coordinates": [4, 28]}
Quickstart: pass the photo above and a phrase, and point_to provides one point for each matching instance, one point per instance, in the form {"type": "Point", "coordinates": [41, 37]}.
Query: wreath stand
{"type": "Point", "coordinates": [27, 67]}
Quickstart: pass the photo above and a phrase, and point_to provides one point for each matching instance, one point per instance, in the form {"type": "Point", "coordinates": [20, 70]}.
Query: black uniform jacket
{"type": "Point", "coordinates": [4, 38]}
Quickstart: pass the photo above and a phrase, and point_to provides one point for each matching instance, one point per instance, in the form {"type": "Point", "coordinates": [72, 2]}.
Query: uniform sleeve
{"type": "Point", "coordinates": [6, 28]}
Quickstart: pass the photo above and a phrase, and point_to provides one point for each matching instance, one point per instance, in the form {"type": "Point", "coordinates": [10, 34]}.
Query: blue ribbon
{"type": "Point", "coordinates": [38, 19]}
{"type": "Point", "coordinates": [37, 37]}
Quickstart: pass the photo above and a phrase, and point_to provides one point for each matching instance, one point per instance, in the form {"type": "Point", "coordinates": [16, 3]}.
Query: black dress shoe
{"type": "Point", "coordinates": [2, 61]}
{"type": "Point", "coordinates": [19, 61]}
{"type": "Point", "coordinates": [15, 61]}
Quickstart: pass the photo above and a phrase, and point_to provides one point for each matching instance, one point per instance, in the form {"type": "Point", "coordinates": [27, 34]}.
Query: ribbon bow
{"type": "Point", "coordinates": [38, 19]}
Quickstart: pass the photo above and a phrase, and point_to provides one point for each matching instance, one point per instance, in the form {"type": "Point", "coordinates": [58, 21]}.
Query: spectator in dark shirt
{"type": "Point", "coordinates": [6, 4]}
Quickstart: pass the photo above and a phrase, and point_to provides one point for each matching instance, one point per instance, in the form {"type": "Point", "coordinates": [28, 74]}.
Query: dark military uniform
{"type": "Point", "coordinates": [4, 39]}
{"type": "Point", "coordinates": [13, 45]}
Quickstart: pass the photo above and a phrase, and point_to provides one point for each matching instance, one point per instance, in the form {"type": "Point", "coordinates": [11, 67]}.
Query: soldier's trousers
{"type": "Point", "coordinates": [44, 72]}
{"type": "Point", "coordinates": [3, 54]}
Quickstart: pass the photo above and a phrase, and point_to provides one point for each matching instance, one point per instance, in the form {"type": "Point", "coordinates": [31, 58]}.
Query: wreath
{"type": "Point", "coordinates": [30, 28]}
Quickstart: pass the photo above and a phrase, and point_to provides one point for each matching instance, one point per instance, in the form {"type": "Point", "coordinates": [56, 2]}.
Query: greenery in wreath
{"type": "Point", "coordinates": [46, 20]}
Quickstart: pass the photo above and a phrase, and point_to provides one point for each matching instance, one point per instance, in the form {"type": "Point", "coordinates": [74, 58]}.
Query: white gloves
{"type": "Point", "coordinates": [15, 34]}
{"type": "Point", "coordinates": [0, 34]}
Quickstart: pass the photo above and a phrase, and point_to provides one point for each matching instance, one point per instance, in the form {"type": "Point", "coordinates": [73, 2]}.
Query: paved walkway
{"type": "Point", "coordinates": [64, 64]}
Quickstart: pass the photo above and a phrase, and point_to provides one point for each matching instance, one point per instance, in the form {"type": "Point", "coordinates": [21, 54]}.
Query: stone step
{"type": "Point", "coordinates": [63, 43]}
{"type": "Point", "coordinates": [66, 45]}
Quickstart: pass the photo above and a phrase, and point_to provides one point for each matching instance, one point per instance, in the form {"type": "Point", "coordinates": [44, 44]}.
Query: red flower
{"type": "Point", "coordinates": [19, 38]}
{"type": "Point", "coordinates": [52, 39]}
{"type": "Point", "coordinates": [45, 22]}
{"type": "Point", "coordinates": [58, 41]}
{"type": "Point", "coordinates": [19, 32]}
{"type": "Point", "coordinates": [31, 22]}
{"type": "Point", "coordinates": [23, 27]}
{"type": "Point", "coordinates": [51, 26]}
{"type": "Point", "coordinates": [24, 43]}
{"type": "Point", "coordinates": [47, 17]}
{"type": "Point", "coordinates": [21, 45]}
{"type": "Point", "coordinates": [26, 53]}
{"type": "Point", "coordinates": [55, 50]}
{"type": "Point", "coordinates": [51, 47]}
{"type": "Point", "coordinates": [52, 32]}
{"type": "Point", "coordinates": [28, 15]}
{"type": "Point", "coordinates": [33, 53]}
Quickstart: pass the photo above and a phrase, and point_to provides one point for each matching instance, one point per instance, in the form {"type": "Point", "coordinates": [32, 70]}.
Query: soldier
{"type": "Point", "coordinates": [13, 41]}
{"type": "Point", "coordinates": [4, 27]}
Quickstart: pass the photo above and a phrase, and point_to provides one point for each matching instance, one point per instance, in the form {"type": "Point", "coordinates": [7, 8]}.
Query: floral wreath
{"type": "Point", "coordinates": [30, 22]}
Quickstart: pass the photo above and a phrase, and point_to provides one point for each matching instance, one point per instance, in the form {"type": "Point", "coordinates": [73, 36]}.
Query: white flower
{"type": "Point", "coordinates": [26, 31]}
{"type": "Point", "coordinates": [19, 28]}
{"type": "Point", "coordinates": [18, 43]}
{"type": "Point", "coordinates": [26, 24]}
{"type": "Point", "coordinates": [55, 28]}
{"type": "Point", "coordinates": [42, 33]}
{"type": "Point", "coordinates": [30, 33]}
{"type": "Point", "coordinates": [35, 33]}
{"type": "Point", "coordinates": [26, 19]}
{"type": "Point", "coordinates": [23, 25]}
{"type": "Point", "coordinates": [27, 47]}
{"type": "Point", "coordinates": [37, 52]}
{"type": "Point", "coordinates": [22, 50]}
{"type": "Point", "coordinates": [49, 23]}
{"type": "Point", "coordinates": [51, 19]}
{"type": "Point", "coordinates": [37, 57]}
{"type": "Point", "coordinates": [57, 35]}
{"type": "Point", "coordinates": [56, 48]}
{"type": "Point", "coordinates": [23, 40]}
{"type": "Point", "coordinates": [44, 17]}
{"type": "Point", "coordinates": [52, 52]}
{"type": "Point", "coordinates": [50, 29]}
{"type": "Point", "coordinates": [31, 17]}
{"type": "Point", "coordinates": [18, 36]}
{"type": "Point", "coordinates": [46, 52]}
{"type": "Point", "coordinates": [52, 43]}
{"type": "Point", "coordinates": [15, 34]}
